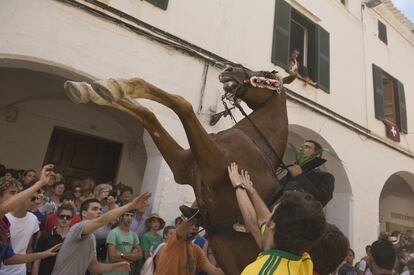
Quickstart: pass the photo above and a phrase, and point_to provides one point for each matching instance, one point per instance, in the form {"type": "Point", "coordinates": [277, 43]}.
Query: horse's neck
{"type": "Point", "coordinates": [271, 120]}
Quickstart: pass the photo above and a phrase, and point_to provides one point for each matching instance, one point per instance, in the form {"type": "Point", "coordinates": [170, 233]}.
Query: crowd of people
{"type": "Point", "coordinates": [50, 227]}
{"type": "Point", "coordinates": [43, 219]}
{"type": "Point", "coordinates": [398, 255]}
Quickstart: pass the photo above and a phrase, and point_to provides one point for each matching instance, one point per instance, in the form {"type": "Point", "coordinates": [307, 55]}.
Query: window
{"type": "Point", "coordinates": [389, 99]}
{"type": "Point", "coordinates": [382, 32]}
{"type": "Point", "coordinates": [292, 30]}
{"type": "Point", "coordinates": [159, 3]}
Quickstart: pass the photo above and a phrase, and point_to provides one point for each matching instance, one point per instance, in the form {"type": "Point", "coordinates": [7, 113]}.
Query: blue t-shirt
{"type": "Point", "coordinates": [5, 252]}
{"type": "Point", "coordinates": [200, 241]}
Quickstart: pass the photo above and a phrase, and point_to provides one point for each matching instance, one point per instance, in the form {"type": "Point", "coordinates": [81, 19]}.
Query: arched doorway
{"type": "Point", "coordinates": [33, 105]}
{"type": "Point", "coordinates": [396, 203]}
{"type": "Point", "coordinates": [339, 209]}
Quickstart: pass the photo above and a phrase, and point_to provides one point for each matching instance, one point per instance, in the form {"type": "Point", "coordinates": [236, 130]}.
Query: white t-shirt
{"type": "Point", "coordinates": [21, 231]}
{"type": "Point", "coordinates": [362, 266]}
{"type": "Point", "coordinates": [407, 272]}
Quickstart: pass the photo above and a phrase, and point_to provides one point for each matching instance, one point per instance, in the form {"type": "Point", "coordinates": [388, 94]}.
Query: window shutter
{"type": "Point", "coordinates": [281, 34]}
{"type": "Point", "coordinates": [323, 64]}
{"type": "Point", "coordinates": [159, 3]}
{"type": "Point", "coordinates": [402, 111]}
{"type": "Point", "coordinates": [378, 92]}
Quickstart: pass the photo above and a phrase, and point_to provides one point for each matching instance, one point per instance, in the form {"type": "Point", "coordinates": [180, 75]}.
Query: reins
{"type": "Point", "coordinates": [262, 136]}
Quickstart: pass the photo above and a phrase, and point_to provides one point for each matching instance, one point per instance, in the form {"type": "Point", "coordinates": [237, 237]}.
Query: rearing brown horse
{"type": "Point", "coordinates": [204, 165]}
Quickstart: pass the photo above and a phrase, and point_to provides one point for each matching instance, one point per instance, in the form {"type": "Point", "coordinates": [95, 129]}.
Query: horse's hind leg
{"type": "Point", "coordinates": [178, 159]}
{"type": "Point", "coordinates": [205, 150]}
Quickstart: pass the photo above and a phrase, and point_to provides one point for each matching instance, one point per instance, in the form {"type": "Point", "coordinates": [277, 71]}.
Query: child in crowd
{"type": "Point", "coordinates": [151, 239]}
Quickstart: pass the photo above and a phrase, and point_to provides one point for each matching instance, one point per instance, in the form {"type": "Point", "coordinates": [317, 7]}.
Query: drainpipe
{"type": "Point", "coordinates": [203, 87]}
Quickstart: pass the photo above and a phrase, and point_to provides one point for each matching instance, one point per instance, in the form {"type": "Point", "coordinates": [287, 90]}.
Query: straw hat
{"type": "Point", "coordinates": [154, 216]}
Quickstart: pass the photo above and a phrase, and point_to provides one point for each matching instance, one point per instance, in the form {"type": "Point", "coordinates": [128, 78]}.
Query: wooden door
{"type": "Point", "coordinates": [78, 156]}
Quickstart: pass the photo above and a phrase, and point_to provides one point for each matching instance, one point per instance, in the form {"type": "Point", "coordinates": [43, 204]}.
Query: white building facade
{"type": "Point", "coordinates": [360, 55]}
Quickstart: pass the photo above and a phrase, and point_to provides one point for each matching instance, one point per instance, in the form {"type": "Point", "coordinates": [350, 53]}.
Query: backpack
{"type": "Point", "coordinates": [149, 265]}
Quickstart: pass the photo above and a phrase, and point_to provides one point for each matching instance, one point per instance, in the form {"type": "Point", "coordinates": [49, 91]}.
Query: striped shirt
{"type": "Point", "coordinates": [272, 261]}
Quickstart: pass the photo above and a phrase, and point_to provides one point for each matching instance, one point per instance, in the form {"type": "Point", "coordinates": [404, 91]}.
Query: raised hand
{"type": "Point", "coordinates": [141, 202]}
{"type": "Point", "coordinates": [121, 266]}
{"type": "Point", "coordinates": [47, 176]}
{"type": "Point", "coordinates": [245, 179]}
{"type": "Point", "coordinates": [111, 200]}
{"type": "Point", "coordinates": [234, 175]}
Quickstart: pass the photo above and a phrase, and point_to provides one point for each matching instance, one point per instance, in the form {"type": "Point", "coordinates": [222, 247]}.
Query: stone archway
{"type": "Point", "coordinates": [396, 203]}
{"type": "Point", "coordinates": [339, 209]}
{"type": "Point", "coordinates": [33, 103]}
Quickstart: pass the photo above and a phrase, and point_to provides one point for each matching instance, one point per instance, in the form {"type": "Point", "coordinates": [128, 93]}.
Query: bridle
{"type": "Point", "coordinates": [275, 85]}
{"type": "Point", "coordinates": [266, 81]}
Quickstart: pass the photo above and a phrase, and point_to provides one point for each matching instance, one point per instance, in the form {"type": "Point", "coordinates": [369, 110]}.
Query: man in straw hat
{"type": "Point", "coordinates": [151, 239]}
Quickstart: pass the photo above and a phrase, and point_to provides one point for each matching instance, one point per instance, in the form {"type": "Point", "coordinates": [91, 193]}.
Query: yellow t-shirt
{"type": "Point", "coordinates": [272, 261]}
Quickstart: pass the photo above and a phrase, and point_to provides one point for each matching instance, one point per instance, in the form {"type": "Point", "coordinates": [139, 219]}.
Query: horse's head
{"type": "Point", "coordinates": [254, 88]}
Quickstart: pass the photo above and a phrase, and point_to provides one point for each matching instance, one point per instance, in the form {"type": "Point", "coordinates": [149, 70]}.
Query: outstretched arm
{"type": "Point", "coordinates": [212, 270]}
{"type": "Point", "coordinates": [28, 258]}
{"type": "Point", "coordinates": [245, 205]}
{"type": "Point", "coordinates": [139, 203]}
{"type": "Point", "coordinates": [96, 267]}
{"type": "Point", "coordinates": [46, 177]}
{"type": "Point", "coordinates": [204, 264]}
{"type": "Point", "coordinates": [259, 205]}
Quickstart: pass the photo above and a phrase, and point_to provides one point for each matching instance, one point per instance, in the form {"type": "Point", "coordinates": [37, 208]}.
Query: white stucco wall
{"type": "Point", "coordinates": [74, 39]}
{"type": "Point", "coordinates": [398, 198]}
{"type": "Point", "coordinates": [234, 28]}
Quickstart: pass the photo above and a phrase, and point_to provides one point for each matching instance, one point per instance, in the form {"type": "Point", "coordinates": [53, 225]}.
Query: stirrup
{"type": "Point", "coordinates": [239, 227]}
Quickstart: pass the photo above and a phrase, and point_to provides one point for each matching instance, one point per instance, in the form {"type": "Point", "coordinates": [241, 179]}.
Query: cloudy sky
{"type": "Point", "coordinates": [406, 6]}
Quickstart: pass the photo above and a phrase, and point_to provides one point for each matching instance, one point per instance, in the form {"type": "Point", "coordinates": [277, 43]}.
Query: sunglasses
{"type": "Point", "coordinates": [65, 217]}
{"type": "Point", "coordinates": [77, 191]}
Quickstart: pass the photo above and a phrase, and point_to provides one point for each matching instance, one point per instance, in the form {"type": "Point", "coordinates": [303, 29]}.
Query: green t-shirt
{"type": "Point", "coordinates": [123, 242]}
{"type": "Point", "coordinates": [149, 242]}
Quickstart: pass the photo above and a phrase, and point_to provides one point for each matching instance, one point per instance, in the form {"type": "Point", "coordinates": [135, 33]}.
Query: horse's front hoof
{"type": "Point", "coordinates": [77, 92]}
{"type": "Point", "coordinates": [109, 90]}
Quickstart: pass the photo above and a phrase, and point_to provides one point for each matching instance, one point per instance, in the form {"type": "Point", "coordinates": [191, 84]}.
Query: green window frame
{"type": "Point", "coordinates": [318, 45]}
{"type": "Point", "coordinates": [163, 4]}
{"type": "Point", "coordinates": [379, 98]}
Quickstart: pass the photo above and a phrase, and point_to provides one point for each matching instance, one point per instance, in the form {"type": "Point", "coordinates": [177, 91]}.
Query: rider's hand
{"type": "Point", "coordinates": [295, 170]}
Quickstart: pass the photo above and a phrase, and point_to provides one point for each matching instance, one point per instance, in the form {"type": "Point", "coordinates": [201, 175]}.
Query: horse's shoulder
{"type": "Point", "coordinates": [231, 133]}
